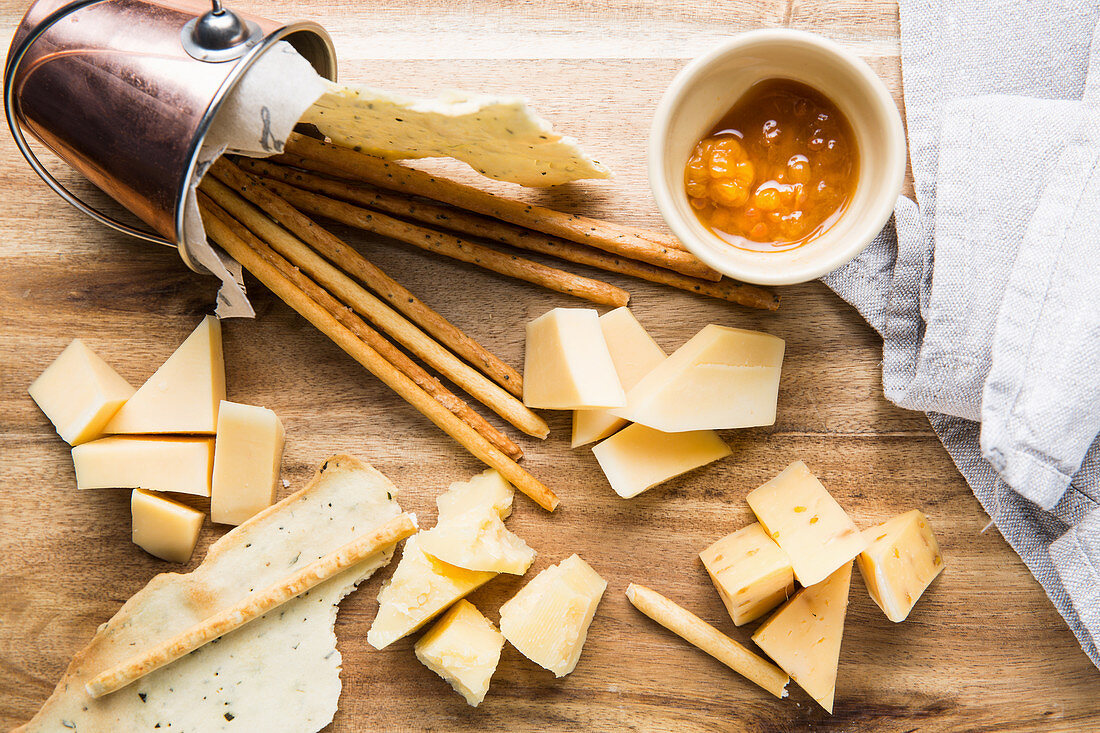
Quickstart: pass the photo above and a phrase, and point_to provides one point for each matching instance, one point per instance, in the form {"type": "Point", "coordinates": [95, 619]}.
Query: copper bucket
{"type": "Point", "coordinates": [124, 91]}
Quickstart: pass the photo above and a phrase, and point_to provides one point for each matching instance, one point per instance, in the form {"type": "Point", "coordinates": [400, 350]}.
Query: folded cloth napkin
{"type": "Point", "coordinates": [986, 289]}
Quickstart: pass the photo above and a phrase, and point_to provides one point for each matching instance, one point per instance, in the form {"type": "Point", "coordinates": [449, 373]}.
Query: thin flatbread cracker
{"type": "Point", "coordinates": [280, 672]}
{"type": "Point", "coordinates": [499, 137]}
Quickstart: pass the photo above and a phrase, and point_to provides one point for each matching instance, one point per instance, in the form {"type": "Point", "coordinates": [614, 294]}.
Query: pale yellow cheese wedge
{"type": "Point", "coordinates": [478, 540]}
{"type": "Point", "coordinates": [248, 458]}
{"type": "Point", "coordinates": [803, 637]}
{"type": "Point", "coordinates": [721, 378]}
{"type": "Point", "coordinates": [487, 488]}
{"type": "Point", "coordinates": [900, 563]}
{"type": "Point", "coordinates": [800, 515]}
{"type": "Point", "coordinates": [634, 354]}
{"type": "Point", "coordinates": [752, 574]}
{"type": "Point", "coordinates": [548, 619]}
{"type": "Point", "coordinates": [420, 589]}
{"type": "Point", "coordinates": [164, 528]}
{"type": "Point", "coordinates": [184, 394]}
{"type": "Point", "coordinates": [80, 393]}
{"type": "Point", "coordinates": [638, 458]}
{"type": "Point", "coordinates": [567, 365]}
{"type": "Point", "coordinates": [463, 648]}
{"type": "Point", "coordinates": [156, 463]}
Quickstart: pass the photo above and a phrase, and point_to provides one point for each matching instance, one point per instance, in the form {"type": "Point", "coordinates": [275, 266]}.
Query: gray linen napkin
{"type": "Point", "coordinates": [986, 290]}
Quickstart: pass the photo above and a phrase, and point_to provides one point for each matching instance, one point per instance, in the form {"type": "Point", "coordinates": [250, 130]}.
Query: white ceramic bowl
{"type": "Point", "coordinates": [705, 90]}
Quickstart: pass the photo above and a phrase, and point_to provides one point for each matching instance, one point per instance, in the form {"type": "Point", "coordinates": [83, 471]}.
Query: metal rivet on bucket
{"type": "Point", "coordinates": [130, 109]}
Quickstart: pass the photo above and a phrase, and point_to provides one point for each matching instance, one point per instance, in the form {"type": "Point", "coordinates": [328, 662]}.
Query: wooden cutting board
{"type": "Point", "coordinates": [983, 650]}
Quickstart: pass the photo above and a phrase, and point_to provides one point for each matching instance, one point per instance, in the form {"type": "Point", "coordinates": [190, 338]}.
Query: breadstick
{"type": "Point", "coordinates": [343, 287]}
{"type": "Point", "coordinates": [252, 606]}
{"type": "Point", "coordinates": [580, 229]}
{"type": "Point", "coordinates": [695, 630]}
{"type": "Point", "coordinates": [451, 246]}
{"type": "Point", "coordinates": [356, 325]}
{"type": "Point", "coordinates": [475, 225]}
{"type": "Point", "coordinates": [354, 347]}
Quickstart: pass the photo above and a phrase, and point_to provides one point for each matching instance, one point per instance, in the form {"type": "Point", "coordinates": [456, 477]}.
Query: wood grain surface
{"type": "Point", "coordinates": [984, 650]}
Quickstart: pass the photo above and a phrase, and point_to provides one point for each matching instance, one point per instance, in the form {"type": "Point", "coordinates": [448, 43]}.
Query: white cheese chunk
{"type": "Point", "coordinates": [463, 648]}
{"type": "Point", "coordinates": [164, 528]}
{"type": "Point", "coordinates": [567, 365]}
{"type": "Point", "coordinates": [634, 354]}
{"type": "Point", "coordinates": [803, 518]}
{"type": "Point", "coordinates": [157, 463]}
{"type": "Point", "coordinates": [488, 488]}
{"type": "Point", "coordinates": [248, 457]}
{"type": "Point", "coordinates": [80, 393]}
{"type": "Point", "coordinates": [721, 378]}
{"type": "Point", "coordinates": [752, 574]}
{"type": "Point", "coordinates": [638, 458]}
{"type": "Point", "coordinates": [478, 540]}
{"type": "Point", "coordinates": [184, 394]}
{"type": "Point", "coordinates": [548, 619]}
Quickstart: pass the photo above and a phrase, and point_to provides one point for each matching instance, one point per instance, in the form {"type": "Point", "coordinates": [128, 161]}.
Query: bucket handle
{"type": "Point", "coordinates": [13, 111]}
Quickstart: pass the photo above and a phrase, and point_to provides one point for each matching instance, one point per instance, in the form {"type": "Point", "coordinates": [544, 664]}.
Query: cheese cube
{"type": "Point", "coordinates": [901, 561]}
{"type": "Point", "coordinates": [164, 528]}
{"type": "Point", "coordinates": [420, 589]}
{"type": "Point", "coordinates": [478, 540]}
{"type": "Point", "coordinates": [752, 574]}
{"type": "Point", "coordinates": [566, 365]}
{"type": "Point", "coordinates": [638, 458]}
{"type": "Point", "coordinates": [79, 392]}
{"type": "Point", "coordinates": [184, 394]}
{"type": "Point", "coordinates": [548, 619]}
{"type": "Point", "coordinates": [175, 464]}
{"type": "Point", "coordinates": [463, 648]}
{"type": "Point", "coordinates": [721, 378]}
{"type": "Point", "coordinates": [803, 637]}
{"type": "Point", "coordinates": [634, 354]}
{"type": "Point", "coordinates": [248, 458]}
{"type": "Point", "coordinates": [488, 488]}
{"type": "Point", "coordinates": [800, 515]}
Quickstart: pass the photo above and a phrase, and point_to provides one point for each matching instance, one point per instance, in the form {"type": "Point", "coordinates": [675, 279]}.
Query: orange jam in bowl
{"type": "Point", "coordinates": [776, 171]}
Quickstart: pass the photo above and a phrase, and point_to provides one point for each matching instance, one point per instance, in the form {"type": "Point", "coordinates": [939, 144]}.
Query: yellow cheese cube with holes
{"type": "Point", "coordinates": [164, 528]}
{"type": "Point", "coordinates": [248, 458]}
{"type": "Point", "coordinates": [157, 463]}
{"type": "Point", "coordinates": [548, 619]}
{"type": "Point", "coordinates": [420, 589]}
{"type": "Point", "coordinates": [463, 648]}
{"type": "Point", "coordinates": [721, 378]}
{"type": "Point", "coordinates": [566, 364]}
{"type": "Point", "coordinates": [184, 394]}
{"type": "Point", "coordinates": [80, 393]}
{"type": "Point", "coordinates": [800, 515]}
{"type": "Point", "coordinates": [634, 354]}
{"type": "Point", "coordinates": [638, 458]}
{"type": "Point", "coordinates": [803, 637]}
{"type": "Point", "coordinates": [488, 488]}
{"type": "Point", "coordinates": [901, 561]}
{"type": "Point", "coordinates": [478, 540]}
{"type": "Point", "coordinates": [752, 574]}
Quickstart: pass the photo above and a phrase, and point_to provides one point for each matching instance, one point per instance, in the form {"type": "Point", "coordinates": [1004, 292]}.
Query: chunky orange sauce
{"type": "Point", "coordinates": [777, 170]}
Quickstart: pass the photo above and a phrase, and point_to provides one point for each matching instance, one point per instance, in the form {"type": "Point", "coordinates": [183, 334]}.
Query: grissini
{"type": "Point", "coordinates": [253, 606]}
{"type": "Point", "coordinates": [354, 347]}
{"type": "Point", "coordinates": [356, 325]}
{"type": "Point", "coordinates": [698, 632]}
{"type": "Point", "coordinates": [474, 225]}
{"type": "Point", "coordinates": [346, 289]}
{"type": "Point", "coordinates": [327, 157]}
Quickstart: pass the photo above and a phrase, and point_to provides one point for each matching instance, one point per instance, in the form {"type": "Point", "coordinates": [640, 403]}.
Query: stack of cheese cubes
{"type": "Point", "coordinates": [177, 433]}
{"type": "Point", "coordinates": [655, 415]}
{"type": "Point", "coordinates": [804, 535]}
{"type": "Point", "coordinates": [547, 620]}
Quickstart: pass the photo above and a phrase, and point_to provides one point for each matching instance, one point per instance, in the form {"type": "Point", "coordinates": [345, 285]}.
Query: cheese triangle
{"type": "Point", "coordinates": [803, 637]}
{"type": "Point", "coordinates": [184, 394]}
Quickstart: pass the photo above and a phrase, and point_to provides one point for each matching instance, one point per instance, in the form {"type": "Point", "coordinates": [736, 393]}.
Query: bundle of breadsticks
{"type": "Point", "coordinates": [259, 212]}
